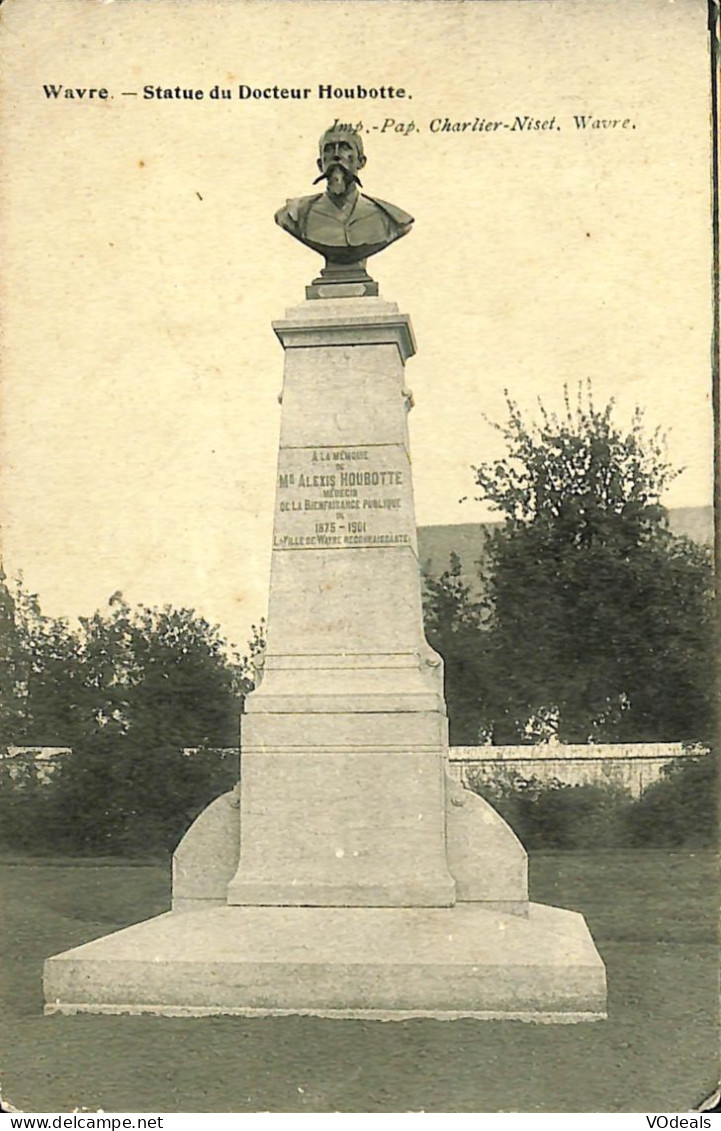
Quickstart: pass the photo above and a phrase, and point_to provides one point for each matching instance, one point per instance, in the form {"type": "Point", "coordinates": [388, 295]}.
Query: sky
{"type": "Point", "coordinates": [142, 268]}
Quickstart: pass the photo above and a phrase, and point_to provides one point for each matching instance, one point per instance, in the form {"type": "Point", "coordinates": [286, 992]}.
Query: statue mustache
{"type": "Point", "coordinates": [347, 173]}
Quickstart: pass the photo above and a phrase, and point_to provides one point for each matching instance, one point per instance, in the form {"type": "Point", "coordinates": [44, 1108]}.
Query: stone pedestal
{"type": "Point", "coordinates": [344, 741]}
{"type": "Point", "coordinates": [349, 875]}
{"type": "Point", "coordinates": [385, 963]}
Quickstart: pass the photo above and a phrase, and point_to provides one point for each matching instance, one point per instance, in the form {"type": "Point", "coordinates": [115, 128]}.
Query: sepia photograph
{"type": "Point", "coordinates": [358, 743]}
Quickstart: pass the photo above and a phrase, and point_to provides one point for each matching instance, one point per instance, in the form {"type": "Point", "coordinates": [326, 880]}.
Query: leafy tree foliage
{"type": "Point", "coordinates": [453, 622]}
{"type": "Point", "coordinates": [129, 690]}
{"type": "Point", "coordinates": [555, 814]}
{"type": "Point", "coordinates": [163, 674]}
{"type": "Point", "coordinates": [157, 681]}
{"type": "Point", "coordinates": [49, 682]}
{"type": "Point", "coordinates": [593, 612]}
{"type": "Point", "coordinates": [11, 668]}
{"type": "Point", "coordinates": [681, 808]}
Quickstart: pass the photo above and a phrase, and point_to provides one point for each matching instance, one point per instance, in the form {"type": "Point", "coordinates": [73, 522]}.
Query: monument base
{"type": "Point", "coordinates": [389, 963]}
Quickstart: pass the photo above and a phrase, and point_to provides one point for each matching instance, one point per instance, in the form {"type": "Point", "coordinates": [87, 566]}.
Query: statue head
{"type": "Point", "coordinates": [343, 225]}
{"type": "Point", "coordinates": [341, 158]}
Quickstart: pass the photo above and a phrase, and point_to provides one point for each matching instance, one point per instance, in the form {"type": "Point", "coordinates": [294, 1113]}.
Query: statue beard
{"type": "Point", "coordinates": [338, 179]}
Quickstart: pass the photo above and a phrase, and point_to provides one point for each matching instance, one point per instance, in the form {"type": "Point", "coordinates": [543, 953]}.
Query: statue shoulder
{"type": "Point", "coordinates": [403, 219]}
{"type": "Point", "coordinates": [293, 214]}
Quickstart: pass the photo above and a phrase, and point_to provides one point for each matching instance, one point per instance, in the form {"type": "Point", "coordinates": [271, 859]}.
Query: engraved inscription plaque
{"type": "Point", "coordinates": [343, 498]}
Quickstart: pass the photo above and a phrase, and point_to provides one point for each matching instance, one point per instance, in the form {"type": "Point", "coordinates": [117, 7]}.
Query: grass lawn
{"type": "Point", "coordinates": [652, 914]}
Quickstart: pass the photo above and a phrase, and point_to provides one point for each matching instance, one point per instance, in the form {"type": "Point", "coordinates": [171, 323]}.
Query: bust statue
{"type": "Point", "coordinates": [343, 224]}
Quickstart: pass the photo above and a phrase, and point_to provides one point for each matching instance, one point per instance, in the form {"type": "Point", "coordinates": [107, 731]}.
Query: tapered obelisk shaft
{"type": "Point", "coordinates": [344, 741]}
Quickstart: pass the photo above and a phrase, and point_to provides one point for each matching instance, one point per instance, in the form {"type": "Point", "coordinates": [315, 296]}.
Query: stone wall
{"type": "Point", "coordinates": [634, 766]}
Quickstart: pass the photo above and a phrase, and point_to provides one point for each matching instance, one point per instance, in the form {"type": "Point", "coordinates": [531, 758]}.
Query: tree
{"type": "Point", "coordinates": [453, 626]}
{"type": "Point", "coordinates": [157, 681]}
{"type": "Point", "coordinates": [594, 612]}
{"type": "Point", "coordinates": [52, 691]}
{"type": "Point", "coordinates": [166, 674]}
{"type": "Point", "coordinates": [12, 670]}
{"type": "Point", "coordinates": [681, 808]}
{"type": "Point", "coordinates": [129, 690]}
{"type": "Point", "coordinates": [41, 674]}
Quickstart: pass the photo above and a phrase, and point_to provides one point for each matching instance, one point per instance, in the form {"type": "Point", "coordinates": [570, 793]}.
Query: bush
{"type": "Point", "coordinates": [680, 810]}
{"type": "Point", "coordinates": [554, 814]}
{"type": "Point", "coordinates": [29, 817]}
{"type": "Point", "coordinates": [127, 689]}
{"type": "Point", "coordinates": [580, 816]}
{"type": "Point", "coordinates": [119, 797]}
{"type": "Point", "coordinates": [110, 797]}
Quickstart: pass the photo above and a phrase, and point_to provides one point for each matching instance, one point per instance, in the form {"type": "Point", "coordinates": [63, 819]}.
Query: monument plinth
{"type": "Point", "coordinates": [343, 742]}
{"type": "Point", "coordinates": [349, 875]}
